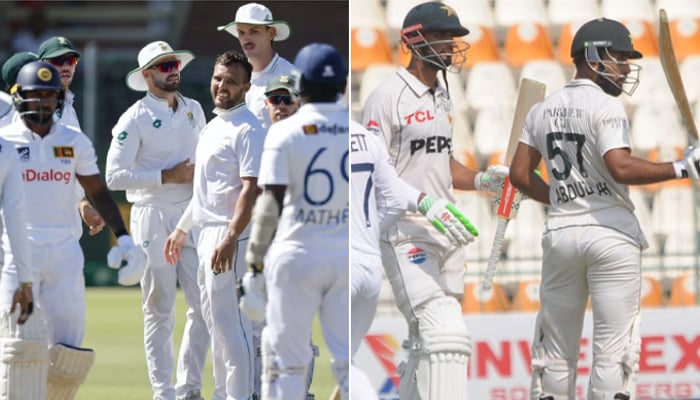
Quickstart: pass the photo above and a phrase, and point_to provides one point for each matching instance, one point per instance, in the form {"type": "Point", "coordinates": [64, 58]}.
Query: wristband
{"type": "Point", "coordinates": [679, 168]}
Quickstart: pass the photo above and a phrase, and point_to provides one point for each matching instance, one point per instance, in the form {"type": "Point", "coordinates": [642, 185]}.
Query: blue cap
{"type": "Point", "coordinates": [320, 63]}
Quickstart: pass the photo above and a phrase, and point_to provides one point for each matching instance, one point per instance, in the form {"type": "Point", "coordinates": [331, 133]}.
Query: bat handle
{"type": "Point", "coordinates": [495, 255]}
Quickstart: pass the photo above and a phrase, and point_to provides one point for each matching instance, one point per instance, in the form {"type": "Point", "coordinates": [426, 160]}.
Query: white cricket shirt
{"type": "Point", "coordinates": [415, 124]}
{"type": "Point", "coordinates": [572, 129]}
{"type": "Point", "coordinates": [308, 153]}
{"type": "Point", "coordinates": [373, 179]}
{"type": "Point", "coordinates": [49, 166]}
{"type": "Point", "coordinates": [14, 211]}
{"type": "Point", "coordinates": [229, 148]}
{"type": "Point", "coordinates": [148, 138]}
{"type": "Point", "coordinates": [255, 97]}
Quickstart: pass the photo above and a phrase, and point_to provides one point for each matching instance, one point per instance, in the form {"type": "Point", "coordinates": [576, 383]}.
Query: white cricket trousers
{"type": "Point", "coordinates": [150, 227]}
{"type": "Point", "coordinates": [231, 332]}
{"type": "Point", "coordinates": [301, 282]}
{"type": "Point", "coordinates": [579, 261]}
{"type": "Point", "coordinates": [59, 288]}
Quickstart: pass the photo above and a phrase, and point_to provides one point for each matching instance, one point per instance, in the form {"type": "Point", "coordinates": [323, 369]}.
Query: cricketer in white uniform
{"type": "Point", "coordinates": [411, 111]}
{"type": "Point", "coordinates": [375, 181]}
{"type": "Point", "coordinates": [225, 189]}
{"type": "Point", "coordinates": [150, 156]}
{"type": "Point", "coordinates": [592, 241]}
{"type": "Point", "coordinates": [54, 158]}
{"type": "Point", "coordinates": [255, 29]}
{"type": "Point", "coordinates": [304, 173]}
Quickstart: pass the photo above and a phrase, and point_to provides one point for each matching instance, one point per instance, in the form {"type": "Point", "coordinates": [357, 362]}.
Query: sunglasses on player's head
{"type": "Point", "coordinates": [71, 59]}
{"type": "Point", "coordinates": [166, 67]}
{"type": "Point", "coordinates": [280, 98]}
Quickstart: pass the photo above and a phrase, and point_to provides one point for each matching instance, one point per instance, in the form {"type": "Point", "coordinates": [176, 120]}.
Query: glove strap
{"type": "Point", "coordinates": [425, 204]}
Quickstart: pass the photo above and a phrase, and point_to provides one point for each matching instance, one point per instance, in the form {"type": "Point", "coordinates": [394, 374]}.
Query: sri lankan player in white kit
{"type": "Point", "coordinates": [411, 111]}
{"type": "Point", "coordinates": [592, 241]}
{"type": "Point", "coordinates": [151, 157]}
{"type": "Point", "coordinates": [304, 172]}
{"type": "Point", "coordinates": [54, 158]}
{"type": "Point", "coordinates": [375, 181]}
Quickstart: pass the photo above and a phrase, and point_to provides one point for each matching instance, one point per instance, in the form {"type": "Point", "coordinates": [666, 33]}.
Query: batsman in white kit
{"type": "Point", "coordinates": [151, 157]}
{"type": "Point", "coordinates": [374, 181]}
{"type": "Point", "coordinates": [54, 158]}
{"type": "Point", "coordinates": [304, 174]}
{"type": "Point", "coordinates": [592, 241]}
{"type": "Point", "coordinates": [412, 113]}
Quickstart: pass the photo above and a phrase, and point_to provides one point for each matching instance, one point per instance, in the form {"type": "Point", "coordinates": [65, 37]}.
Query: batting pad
{"type": "Point", "coordinates": [24, 357]}
{"type": "Point", "coordinates": [68, 369]}
{"type": "Point", "coordinates": [437, 363]}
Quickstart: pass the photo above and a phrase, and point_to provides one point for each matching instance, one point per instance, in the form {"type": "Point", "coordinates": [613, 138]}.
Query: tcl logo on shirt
{"type": "Point", "coordinates": [418, 116]}
{"type": "Point", "coordinates": [52, 175]}
{"type": "Point", "coordinates": [432, 144]}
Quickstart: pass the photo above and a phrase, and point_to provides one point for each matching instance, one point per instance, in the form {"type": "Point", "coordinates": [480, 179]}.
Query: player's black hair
{"type": "Point", "coordinates": [233, 57]}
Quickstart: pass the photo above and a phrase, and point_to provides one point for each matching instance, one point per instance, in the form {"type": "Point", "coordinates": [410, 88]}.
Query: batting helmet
{"type": "Point", "coordinates": [319, 67]}
{"type": "Point", "coordinates": [445, 53]}
{"type": "Point", "coordinates": [34, 76]}
{"type": "Point", "coordinates": [604, 33]}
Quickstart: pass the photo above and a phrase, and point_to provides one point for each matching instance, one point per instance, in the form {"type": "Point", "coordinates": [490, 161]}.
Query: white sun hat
{"type": "Point", "coordinates": [257, 14]}
{"type": "Point", "coordinates": [150, 55]}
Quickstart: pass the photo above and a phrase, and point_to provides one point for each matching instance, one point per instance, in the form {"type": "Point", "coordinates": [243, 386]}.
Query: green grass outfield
{"type": "Point", "coordinates": [115, 330]}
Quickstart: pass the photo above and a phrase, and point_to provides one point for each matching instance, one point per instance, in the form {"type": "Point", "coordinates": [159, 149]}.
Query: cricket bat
{"type": "Point", "coordinates": [673, 77]}
{"type": "Point", "coordinates": [531, 92]}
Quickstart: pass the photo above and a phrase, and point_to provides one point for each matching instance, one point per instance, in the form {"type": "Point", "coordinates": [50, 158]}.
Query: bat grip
{"type": "Point", "coordinates": [495, 255]}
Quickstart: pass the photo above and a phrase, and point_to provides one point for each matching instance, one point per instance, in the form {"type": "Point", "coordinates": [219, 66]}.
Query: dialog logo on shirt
{"type": "Point", "coordinates": [52, 175]}
{"type": "Point", "coordinates": [416, 256]}
{"type": "Point", "coordinates": [23, 153]}
{"type": "Point", "coordinates": [63, 152]}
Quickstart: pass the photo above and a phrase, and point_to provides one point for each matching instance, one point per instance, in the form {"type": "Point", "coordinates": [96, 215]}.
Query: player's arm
{"type": "Point", "coordinates": [462, 177]}
{"type": "Point", "coordinates": [97, 192]}
{"type": "Point", "coordinates": [266, 213]}
{"type": "Point", "coordinates": [16, 225]}
{"type": "Point", "coordinates": [628, 169]}
{"type": "Point", "coordinates": [176, 239]}
{"type": "Point", "coordinates": [523, 175]}
{"type": "Point", "coordinates": [222, 259]}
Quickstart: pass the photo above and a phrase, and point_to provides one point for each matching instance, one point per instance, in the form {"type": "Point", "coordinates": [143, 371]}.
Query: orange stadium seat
{"type": "Point", "coordinates": [475, 301]}
{"type": "Point", "coordinates": [682, 292]}
{"type": "Point", "coordinates": [527, 296]}
{"type": "Point", "coordinates": [643, 36]}
{"type": "Point", "coordinates": [369, 46]}
{"type": "Point", "coordinates": [685, 35]}
{"type": "Point", "coordinates": [403, 55]}
{"type": "Point", "coordinates": [483, 46]}
{"type": "Point", "coordinates": [652, 292]}
{"type": "Point", "coordinates": [526, 42]}
{"type": "Point", "coordinates": [566, 37]}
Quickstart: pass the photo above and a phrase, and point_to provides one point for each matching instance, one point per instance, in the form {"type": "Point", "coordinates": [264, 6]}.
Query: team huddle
{"type": "Point", "coordinates": [214, 209]}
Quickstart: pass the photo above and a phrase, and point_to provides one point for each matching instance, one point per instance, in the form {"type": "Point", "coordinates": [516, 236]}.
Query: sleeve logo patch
{"type": "Point", "coordinates": [63, 152]}
{"type": "Point", "coordinates": [23, 153]}
{"type": "Point", "coordinates": [310, 129]}
{"type": "Point", "coordinates": [122, 135]}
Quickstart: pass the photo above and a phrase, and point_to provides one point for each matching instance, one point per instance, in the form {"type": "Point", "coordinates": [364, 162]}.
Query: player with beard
{"type": "Point", "coordinates": [151, 157]}
{"type": "Point", "coordinates": [225, 189]}
{"type": "Point", "coordinates": [592, 242]}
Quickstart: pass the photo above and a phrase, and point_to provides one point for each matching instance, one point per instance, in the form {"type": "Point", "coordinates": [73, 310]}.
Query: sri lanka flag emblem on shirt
{"type": "Point", "coordinates": [63, 152]}
{"type": "Point", "coordinates": [310, 129]}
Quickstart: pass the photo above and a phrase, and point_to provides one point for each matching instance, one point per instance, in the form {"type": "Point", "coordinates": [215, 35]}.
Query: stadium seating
{"type": "Point", "coordinates": [367, 14]}
{"type": "Point", "coordinates": [527, 296]}
{"type": "Point", "coordinates": [652, 292]}
{"type": "Point", "coordinates": [622, 10]}
{"type": "Point", "coordinates": [395, 12]}
{"type": "Point", "coordinates": [566, 37]}
{"type": "Point", "coordinates": [473, 13]}
{"type": "Point", "coordinates": [475, 301]}
{"type": "Point", "coordinates": [483, 46]}
{"type": "Point", "coordinates": [490, 85]}
{"type": "Point", "coordinates": [525, 42]}
{"type": "Point", "coordinates": [561, 12]}
{"type": "Point", "coordinates": [683, 292]}
{"type": "Point", "coordinates": [643, 36]}
{"type": "Point", "coordinates": [369, 46]}
{"type": "Point", "coordinates": [372, 77]}
{"type": "Point", "coordinates": [549, 72]}
{"type": "Point", "coordinates": [680, 8]}
{"type": "Point", "coordinates": [690, 73]}
{"type": "Point", "coordinates": [685, 35]}
{"type": "Point", "coordinates": [512, 12]}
